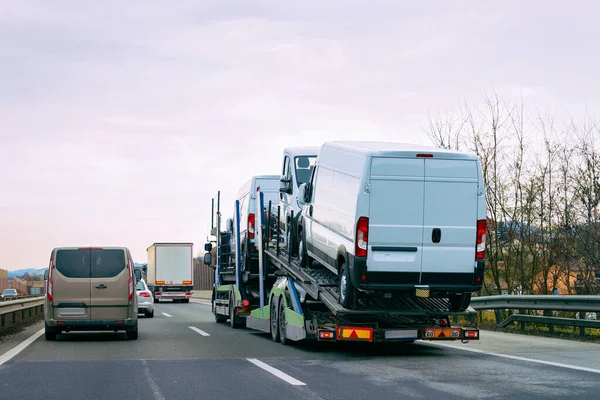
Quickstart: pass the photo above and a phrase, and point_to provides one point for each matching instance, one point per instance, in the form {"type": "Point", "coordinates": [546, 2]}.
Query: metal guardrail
{"type": "Point", "coordinates": [20, 304]}
{"type": "Point", "coordinates": [16, 312]}
{"type": "Point", "coordinates": [29, 296]}
{"type": "Point", "coordinates": [547, 303]}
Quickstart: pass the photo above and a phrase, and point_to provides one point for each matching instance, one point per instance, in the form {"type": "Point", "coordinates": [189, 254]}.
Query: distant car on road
{"type": "Point", "coordinates": [9, 293]}
{"type": "Point", "coordinates": [145, 299]}
{"type": "Point", "coordinates": [91, 289]}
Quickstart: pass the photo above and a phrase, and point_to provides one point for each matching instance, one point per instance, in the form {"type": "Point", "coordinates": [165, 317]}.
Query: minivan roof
{"type": "Point", "coordinates": [395, 149]}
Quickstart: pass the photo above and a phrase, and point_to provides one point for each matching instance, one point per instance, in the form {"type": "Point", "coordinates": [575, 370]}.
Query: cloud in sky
{"type": "Point", "coordinates": [120, 120]}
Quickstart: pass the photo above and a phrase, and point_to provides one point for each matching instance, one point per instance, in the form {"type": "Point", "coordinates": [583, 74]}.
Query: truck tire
{"type": "Point", "coordinates": [273, 317]}
{"type": "Point", "coordinates": [234, 320]}
{"type": "Point", "coordinates": [219, 319]}
{"type": "Point", "coordinates": [282, 323]}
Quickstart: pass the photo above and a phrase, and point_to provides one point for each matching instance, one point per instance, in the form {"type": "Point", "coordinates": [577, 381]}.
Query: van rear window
{"type": "Point", "coordinates": [107, 263]}
{"type": "Point", "coordinates": [73, 263]}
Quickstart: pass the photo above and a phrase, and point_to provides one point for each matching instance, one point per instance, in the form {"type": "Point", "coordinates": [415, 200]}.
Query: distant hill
{"type": "Point", "coordinates": [21, 272]}
{"type": "Point", "coordinates": [40, 271]}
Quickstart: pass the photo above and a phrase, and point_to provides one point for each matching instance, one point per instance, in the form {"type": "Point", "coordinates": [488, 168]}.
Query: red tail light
{"type": "Point", "coordinates": [362, 237]}
{"type": "Point", "coordinates": [245, 303]}
{"type": "Point", "coordinates": [188, 294]}
{"type": "Point", "coordinates": [481, 234]}
{"type": "Point", "coordinates": [251, 226]}
{"type": "Point", "coordinates": [423, 155]}
{"type": "Point", "coordinates": [145, 294]}
{"type": "Point", "coordinates": [130, 283]}
{"type": "Point", "coordinates": [50, 289]}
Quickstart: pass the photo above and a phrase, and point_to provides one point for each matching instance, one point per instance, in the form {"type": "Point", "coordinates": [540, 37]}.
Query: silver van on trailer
{"type": "Point", "coordinates": [396, 219]}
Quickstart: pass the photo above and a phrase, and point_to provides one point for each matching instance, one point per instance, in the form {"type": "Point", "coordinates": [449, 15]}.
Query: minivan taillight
{"type": "Point", "coordinates": [50, 289]}
{"type": "Point", "coordinates": [130, 282]}
{"type": "Point", "coordinates": [251, 226]}
{"type": "Point", "coordinates": [362, 237]}
{"type": "Point", "coordinates": [481, 234]}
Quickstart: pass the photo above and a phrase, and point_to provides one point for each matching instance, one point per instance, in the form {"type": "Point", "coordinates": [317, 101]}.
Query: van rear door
{"type": "Point", "coordinates": [450, 221]}
{"type": "Point", "coordinates": [71, 284]}
{"type": "Point", "coordinates": [395, 220]}
{"type": "Point", "coordinates": [109, 284]}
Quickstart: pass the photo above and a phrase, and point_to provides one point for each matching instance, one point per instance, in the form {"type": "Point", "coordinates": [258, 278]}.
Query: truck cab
{"type": "Point", "coordinates": [297, 168]}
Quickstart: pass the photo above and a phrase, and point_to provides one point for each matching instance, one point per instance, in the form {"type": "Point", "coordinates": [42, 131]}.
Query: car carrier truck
{"type": "Point", "coordinates": [295, 303]}
{"type": "Point", "coordinates": [170, 271]}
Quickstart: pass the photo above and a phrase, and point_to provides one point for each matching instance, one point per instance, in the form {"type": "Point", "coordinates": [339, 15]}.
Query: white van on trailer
{"type": "Point", "coordinates": [298, 164]}
{"type": "Point", "coordinates": [396, 219]}
{"type": "Point", "coordinates": [269, 185]}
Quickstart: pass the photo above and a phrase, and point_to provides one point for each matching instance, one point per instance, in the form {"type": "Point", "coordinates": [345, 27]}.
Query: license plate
{"type": "Point", "coordinates": [71, 312]}
{"type": "Point", "coordinates": [174, 294]}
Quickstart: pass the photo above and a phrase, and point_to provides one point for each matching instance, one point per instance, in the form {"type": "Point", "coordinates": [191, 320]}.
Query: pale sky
{"type": "Point", "coordinates": [119, 120]}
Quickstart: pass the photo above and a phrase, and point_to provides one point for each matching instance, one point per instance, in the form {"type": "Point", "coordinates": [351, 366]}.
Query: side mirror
{"type": "Point", "coordinates": [208, 247]}
{"type": "Point", "coordinates": [285, 185]}
{"type": "Point", "coordinates": [46, 275]}
{"type": "Point", "coordinates": [302, 194]}
{"type": "Point", "coordinates": [229, 224]}
{"type": "Point", "coordinates": [207, 259]}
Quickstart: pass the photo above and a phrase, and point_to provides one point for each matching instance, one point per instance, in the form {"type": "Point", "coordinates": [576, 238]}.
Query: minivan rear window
{"type": "Point", "coordinates": [107, 263]}
{"type": "Point", "coordinates": [73, 263]}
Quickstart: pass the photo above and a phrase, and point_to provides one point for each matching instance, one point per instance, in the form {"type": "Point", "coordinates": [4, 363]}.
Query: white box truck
{"type": "Point", "coordinates": [170, 271]}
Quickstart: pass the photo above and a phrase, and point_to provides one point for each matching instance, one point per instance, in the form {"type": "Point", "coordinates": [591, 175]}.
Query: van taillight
{"type": "Point", "coordinates": [362, 237]}
{"type": "Point", "coordinates": [481, 234]}
{"type": "Point", "coordinates": [130, 282]}
{"type": "Point", "coordinates": [251, 226]}
{"type": "Point", "coordinates": [50, 288]}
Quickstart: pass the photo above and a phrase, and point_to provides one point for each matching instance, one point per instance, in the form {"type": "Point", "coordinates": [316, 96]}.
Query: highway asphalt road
{"type": "Point", "coordinates": [181, 353]}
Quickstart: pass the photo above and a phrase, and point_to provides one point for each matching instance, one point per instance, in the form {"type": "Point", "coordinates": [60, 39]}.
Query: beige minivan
{"type": "Point", "coordinates": [90, 289]}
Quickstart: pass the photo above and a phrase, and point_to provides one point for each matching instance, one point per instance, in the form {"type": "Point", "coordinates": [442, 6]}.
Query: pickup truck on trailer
{"type": "Point", "coordinates": [170, 271]}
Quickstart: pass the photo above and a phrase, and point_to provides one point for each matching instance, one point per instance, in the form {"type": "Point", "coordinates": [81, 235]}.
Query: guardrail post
{"type": "Point", "coordinates": [582, 328]}
{"type": "Point", "coordinates": [498, 316]}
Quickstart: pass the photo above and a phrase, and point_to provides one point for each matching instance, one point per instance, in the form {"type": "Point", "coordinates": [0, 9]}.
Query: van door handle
{"type": "Point", "coordinates": [101, 286]}
{"type": "Point", "coordinates": [436, 235]}
{"type": "Point", "coordinates": [310, 210]}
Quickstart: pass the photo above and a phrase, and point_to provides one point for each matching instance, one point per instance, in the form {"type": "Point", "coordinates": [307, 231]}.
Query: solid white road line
{"type": "Point", "coordinates": [167, 315]}
{"type": "Point", "coordinates": [200, 331]}
{"type": "Point", "coordinates": [158, 395]}
{"type": "Point", "coordinates": [518, 358]}
{"type": "Point", "coordinates": [20, 347]}
{"type": "Point", "coordinates": [280, 374]}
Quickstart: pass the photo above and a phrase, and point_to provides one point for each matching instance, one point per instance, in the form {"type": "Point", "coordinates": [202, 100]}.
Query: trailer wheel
{"type": "Point", "coordinates": [273, 317]}
{"type": "Point", "coordinates": [282, 323]}
{"type": "Point", "coordinates": [234, 320]}
{"type": "Point", "coordinates": [347, 291]}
